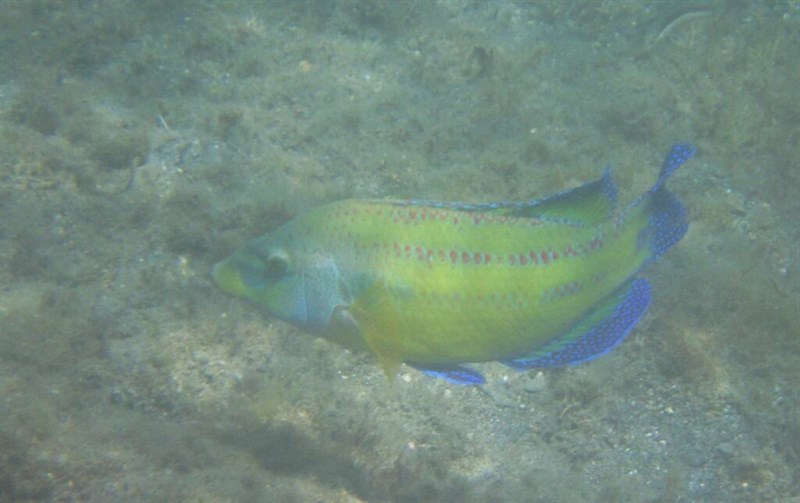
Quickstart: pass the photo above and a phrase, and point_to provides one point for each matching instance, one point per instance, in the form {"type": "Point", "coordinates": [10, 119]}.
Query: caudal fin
{"type": "Point", "coordinates": [666, 215]}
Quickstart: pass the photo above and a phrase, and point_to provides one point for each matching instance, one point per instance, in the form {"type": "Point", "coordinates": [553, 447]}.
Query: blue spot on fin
{"type": "Point", "coordinates": [597, 333]}
{"type": "Point", "coordinates": [455, 374]}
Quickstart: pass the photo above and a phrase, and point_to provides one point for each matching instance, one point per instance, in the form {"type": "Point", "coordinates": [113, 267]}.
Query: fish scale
{"type": "Point", "coordinates": [437, 285]}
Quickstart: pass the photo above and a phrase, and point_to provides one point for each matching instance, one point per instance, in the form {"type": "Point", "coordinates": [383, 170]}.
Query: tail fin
{"type": "Point", "coordinates": [667, 222]}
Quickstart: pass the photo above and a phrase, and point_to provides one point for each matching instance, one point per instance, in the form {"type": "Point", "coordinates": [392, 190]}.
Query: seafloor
{"type": "Point", "coordinates": [141, 141]}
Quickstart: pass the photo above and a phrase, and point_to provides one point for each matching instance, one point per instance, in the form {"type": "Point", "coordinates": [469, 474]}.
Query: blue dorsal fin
{"type": "Point", "coordinates": [455, 374]}
{"type": "Point", "coordinates": [587, 204]}
{"type": "Point", "coordinates": [452, 205]}
{"type": "Point", "coordinates": [596, 334]}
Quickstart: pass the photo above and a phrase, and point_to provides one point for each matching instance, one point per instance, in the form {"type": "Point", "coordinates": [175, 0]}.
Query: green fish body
{"type": "Point", "coordinates": [437, 285]}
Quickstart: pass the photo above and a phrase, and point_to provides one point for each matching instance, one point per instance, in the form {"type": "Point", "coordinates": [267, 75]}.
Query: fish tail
{"type": "Point", "coordinates": [666, 221]}
{"type": "Point", "coordinates": [677, 156]}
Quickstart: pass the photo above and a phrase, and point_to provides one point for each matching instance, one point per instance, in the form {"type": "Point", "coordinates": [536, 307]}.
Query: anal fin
{"type": "Point", "coordinates": [597, 334]}
{"type": "Point", "coordinates": [455, 374]}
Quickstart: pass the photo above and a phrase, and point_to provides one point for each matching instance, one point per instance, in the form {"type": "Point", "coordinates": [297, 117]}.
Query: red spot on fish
{"type": "Point", "coordinates": [545, 257]}
{"type": "Point", "coordinates": [512, 259]}
{"type": "Point", "coordinates": [408, 248]}
{"type": "Point", "coordinates": [487, 258]}
{"type": "Point", "coordinates": [453, 256]}
{"type": "Point", "coordinates": [523, 260]}
{"type": "Point", "coordinates": [465, 257]}
{"type": "Point", "coordinates": [555, 255]}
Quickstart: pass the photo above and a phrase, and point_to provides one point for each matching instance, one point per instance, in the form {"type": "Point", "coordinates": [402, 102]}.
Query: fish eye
{"type": "Point", "coordinates": [277, 263]}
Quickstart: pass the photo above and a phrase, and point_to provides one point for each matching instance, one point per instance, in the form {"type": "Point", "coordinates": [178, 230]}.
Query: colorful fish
{"type": "Point", "coordinates": [541, 283]}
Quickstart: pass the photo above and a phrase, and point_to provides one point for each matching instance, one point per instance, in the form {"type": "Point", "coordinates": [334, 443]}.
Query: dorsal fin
{"type": "Point", "coordinates": [588, 204]}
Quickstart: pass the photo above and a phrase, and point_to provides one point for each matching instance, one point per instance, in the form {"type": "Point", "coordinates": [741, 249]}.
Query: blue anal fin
{"type": "Point", "coordinates": [597, 334]}
{"type": "Point", "coordinates": [455, 374]}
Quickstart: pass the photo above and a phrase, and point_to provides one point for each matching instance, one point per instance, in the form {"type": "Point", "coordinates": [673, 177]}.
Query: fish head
{"type": "Point", "coordinates": [287, 277]}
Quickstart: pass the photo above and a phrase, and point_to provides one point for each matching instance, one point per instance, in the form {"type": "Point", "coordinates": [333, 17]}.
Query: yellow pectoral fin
{"type": "Point", "coordinates": [389, 363]}
{"type": "Point", "coordinates": [379, 320]}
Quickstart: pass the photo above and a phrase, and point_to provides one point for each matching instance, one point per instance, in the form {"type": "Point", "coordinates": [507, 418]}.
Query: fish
{"type": "Point", "coordinates": [440, 286]}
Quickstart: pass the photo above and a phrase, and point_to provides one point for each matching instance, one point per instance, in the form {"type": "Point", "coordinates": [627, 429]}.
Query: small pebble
{"type": "Point", "coordinates": [726, 448]}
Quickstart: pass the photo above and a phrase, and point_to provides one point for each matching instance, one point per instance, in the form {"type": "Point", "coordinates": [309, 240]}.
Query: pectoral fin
{"type": "Point", "coordinates": [378, 320]}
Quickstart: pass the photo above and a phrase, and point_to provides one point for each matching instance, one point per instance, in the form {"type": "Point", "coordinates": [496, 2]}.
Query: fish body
{"type": "Point", "coordinates": [436, 285]}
